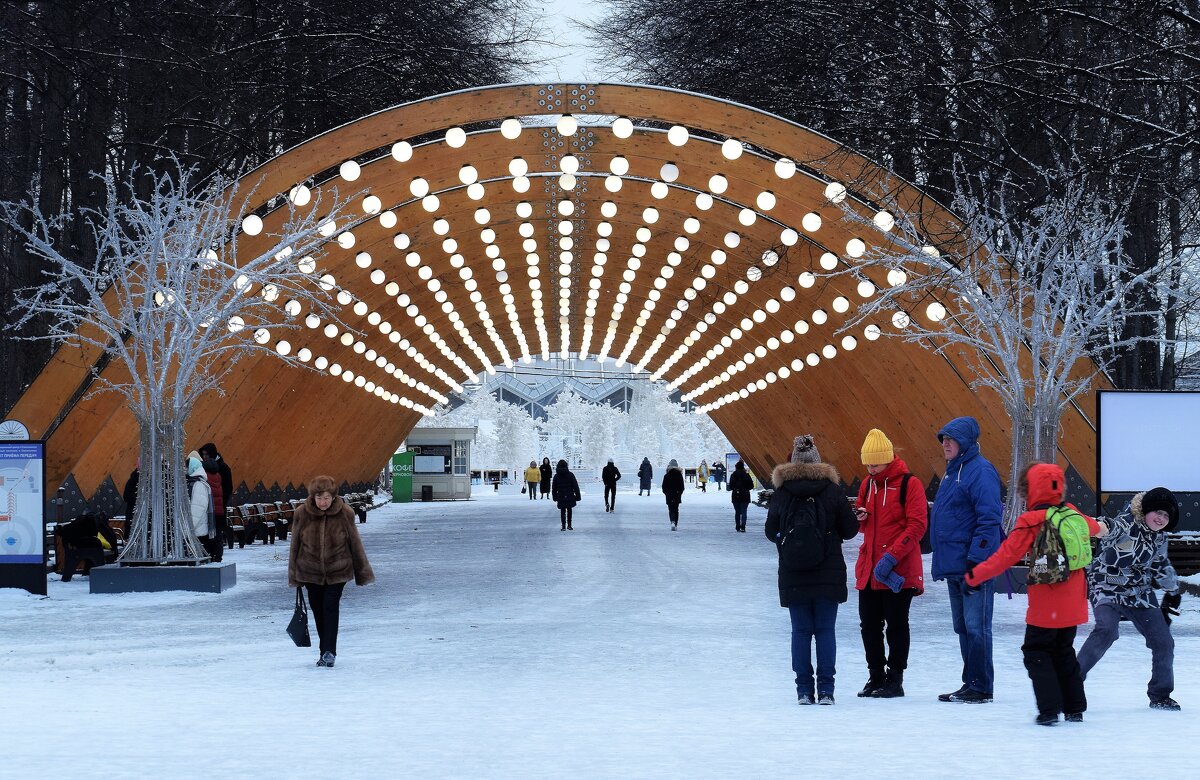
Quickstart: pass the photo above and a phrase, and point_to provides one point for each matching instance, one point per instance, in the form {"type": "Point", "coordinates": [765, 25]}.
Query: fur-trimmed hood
{"type": "Point", "coordinates": [787, 472]}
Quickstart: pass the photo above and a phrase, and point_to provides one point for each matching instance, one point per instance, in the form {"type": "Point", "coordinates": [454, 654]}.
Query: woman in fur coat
{"type": "Point", "coordinates": [807, 494]}
{"type": "Point", "coordinates": [326, 553]}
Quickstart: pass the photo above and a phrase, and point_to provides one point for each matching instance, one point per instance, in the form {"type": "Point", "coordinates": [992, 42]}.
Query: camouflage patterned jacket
{"type": "Point", "coordinates": [1131, 562]}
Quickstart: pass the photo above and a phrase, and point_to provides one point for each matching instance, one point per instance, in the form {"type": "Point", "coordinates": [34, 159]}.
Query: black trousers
{"type": "Point", "coordinates": [325, 603]}
{"type": "Point", "coordinates": [673, 512]}
{"type": "Point", "coordinates": [883, 614]}
{"type": "Point", "coordinates": [610, 490]}
{"type": "Point", "coordinates": [1053, 669]}
{"type": "Point", "coordinates": [565, 515]}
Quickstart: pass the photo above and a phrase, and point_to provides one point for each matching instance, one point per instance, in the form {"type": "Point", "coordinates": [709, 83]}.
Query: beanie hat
{"type": "Point", "coordinates": [877, 449]}
{"type": "Point", "coordinates": [804, 451]}
{"type": "Point", "coordinates": [674, 464]}
{"type": "Point", "coordinates": [1161, 499]}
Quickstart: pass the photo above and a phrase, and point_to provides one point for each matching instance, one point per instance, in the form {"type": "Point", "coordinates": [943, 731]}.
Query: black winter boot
{"type": "Point", "coordinates": [874, 684]}
{"type": "Point", "coordinates": [893, 685]}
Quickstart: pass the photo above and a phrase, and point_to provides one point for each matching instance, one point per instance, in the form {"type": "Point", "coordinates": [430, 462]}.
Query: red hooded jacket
{"type": "Point", "coordinates": [887, 529]}
{"type": "Point", "coordinates": [1063, 604]}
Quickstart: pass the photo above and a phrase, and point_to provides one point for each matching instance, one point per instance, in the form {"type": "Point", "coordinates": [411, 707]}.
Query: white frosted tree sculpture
{"type": "Point", "coordinates": [1022, 300]}
{"type": "Point", "coordinates": [173, 304]}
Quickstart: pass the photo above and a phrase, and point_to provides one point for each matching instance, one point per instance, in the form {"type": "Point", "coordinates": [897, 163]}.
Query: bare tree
{"type": "Point", "coordinates": [1024, 302]}
{"type": "Point", "coordinates": [173, 305]}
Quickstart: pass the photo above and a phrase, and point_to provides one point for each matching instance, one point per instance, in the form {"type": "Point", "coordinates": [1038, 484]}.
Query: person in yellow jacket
{"type": "Point", "coordinates": [533, 475]}
{"type": "Point", "coordinates": [702, 476]}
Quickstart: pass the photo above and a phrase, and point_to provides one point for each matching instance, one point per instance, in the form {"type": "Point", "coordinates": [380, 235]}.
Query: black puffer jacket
{"type": "Point", "coordinates": [740, 485]}
{"type": "Point", "coordinates": [798, 481]}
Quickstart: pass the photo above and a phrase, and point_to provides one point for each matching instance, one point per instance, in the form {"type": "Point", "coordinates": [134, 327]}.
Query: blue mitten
{"type": "Point", "coordinates": [884, 574]}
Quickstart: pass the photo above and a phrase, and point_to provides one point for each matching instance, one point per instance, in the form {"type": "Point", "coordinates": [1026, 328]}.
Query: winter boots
{"type": "Point", "coordinates": [1165, 703]}
{"type": "Point", "coordinates": [874, 683]}
{"type": "Point", "coordinates": [327, 660]}
{"type": "Point", "coordinates": [893, 686]}
{"type": "Point", "coordinates": [884, 686]}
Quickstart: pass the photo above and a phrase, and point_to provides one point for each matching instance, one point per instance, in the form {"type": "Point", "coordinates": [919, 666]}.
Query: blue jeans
{"type": "Point", "coordinates": [813, 617]}
{"type": "Point", "coordinates": [739, 513]}
{"type": "Point", "coordinates": [1150, 624]}
{"type": "Point", "coordinates": [971, 610]}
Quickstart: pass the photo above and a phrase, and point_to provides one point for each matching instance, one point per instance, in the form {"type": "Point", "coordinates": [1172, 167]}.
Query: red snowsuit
{"type": "Point", "coordinates": [1050, 606]}
{"type": "Point", "coordinates": [886, 529]}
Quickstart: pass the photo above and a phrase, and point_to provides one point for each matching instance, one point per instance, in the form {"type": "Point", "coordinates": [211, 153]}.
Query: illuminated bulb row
{"type": "Point", "coordinates": [425, 272]}
{"type": "Point", "coordinates": [608, 210]}
{"type": "Point", "coordinates": [819, 316]}
{"type": "Point", "coordinates": [466, 275]}
{"type": "Point", "coordinates": [363, 260]}
{"type": "Point", "coordinates": [331, 331]}
{"type": "Point", "coordinates": [870, 332]}
{"type": "Point", "coordinates": [304, 355]}
{"type": "Point", "coordinates": [488, 237]}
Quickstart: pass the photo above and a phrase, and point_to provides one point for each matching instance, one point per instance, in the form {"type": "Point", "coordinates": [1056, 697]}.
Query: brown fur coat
{"type": "Point", "coordinates": [326, 548]}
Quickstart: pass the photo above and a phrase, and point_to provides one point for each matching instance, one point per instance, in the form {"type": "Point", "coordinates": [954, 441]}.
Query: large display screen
{"type": "Point", "coordinates": [1147, 439]}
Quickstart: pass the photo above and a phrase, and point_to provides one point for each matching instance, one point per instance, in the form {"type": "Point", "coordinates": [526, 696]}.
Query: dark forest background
{"type": "Point", "coordinates": [1106, 90]}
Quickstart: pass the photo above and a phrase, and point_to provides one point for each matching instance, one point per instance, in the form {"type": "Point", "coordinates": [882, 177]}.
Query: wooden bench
{"type": "Point", "coordinates": [235, 527]}
{"type": "Point", "coordinates": [1184, 552]}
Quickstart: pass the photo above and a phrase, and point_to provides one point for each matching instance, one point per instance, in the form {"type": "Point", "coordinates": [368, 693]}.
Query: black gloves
{"type": "Point", "coordinates": [1170, 605]}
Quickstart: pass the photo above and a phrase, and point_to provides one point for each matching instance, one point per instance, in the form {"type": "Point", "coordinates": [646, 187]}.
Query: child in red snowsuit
{"type": "Point", "coordinates": [1055, 611]}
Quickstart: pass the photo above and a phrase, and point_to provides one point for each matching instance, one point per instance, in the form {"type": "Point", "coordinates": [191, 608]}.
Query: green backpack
{"type": "Point", "coordinates": [1061, 547]}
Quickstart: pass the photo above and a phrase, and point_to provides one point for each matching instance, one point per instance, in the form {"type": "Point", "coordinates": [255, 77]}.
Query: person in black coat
{"type": "Point", "coordinates": [672, 488]}
{"type": "Point", "coordinates": [87, 538]}
{"type": "Point", "coordinates": [741, 484]}
{"type": "Point", "coordinates": [547, 477]}
{"type": "Point", "coordinates": [811, 594]}
{"type": "Point", "coordinates": [565, 491]}
{"type": "Point", "coordinates": [645, 474]}
{"type": "Point", "coordinates": [610, 475]}
{"type": "Point", "coordinates": [209, 452]}
{"type": "Point", "coordinates": [718, 474]}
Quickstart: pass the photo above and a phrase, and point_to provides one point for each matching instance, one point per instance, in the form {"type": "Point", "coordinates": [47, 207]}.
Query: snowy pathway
{"type": "Point", "coordinates": [494, 645]}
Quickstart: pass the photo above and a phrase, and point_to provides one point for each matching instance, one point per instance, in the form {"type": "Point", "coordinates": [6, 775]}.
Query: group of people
{"type": "Point", "coordinates": [560, 484]}
{"type": "Point", "coordinates": [809, 517]}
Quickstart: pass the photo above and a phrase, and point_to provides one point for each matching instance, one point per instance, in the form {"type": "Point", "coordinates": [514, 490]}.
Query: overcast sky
{"type": "Point", "coordinates": [573, 58]}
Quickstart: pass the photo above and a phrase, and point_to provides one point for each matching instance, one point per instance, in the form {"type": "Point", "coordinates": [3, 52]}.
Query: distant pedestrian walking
{"type": "Point", "coordinates": [547, 477]}
{"type": "Point", "coordinates": [645, 475]}
{"type": "Point", "coordinates": [702, 476]}
{"type": "Point", "coordinates": [533, 476]}
{"type": "Point", "coordinates": [610, 476]}
{"type": "Point", "coordinates": [566, 494]}
{"type": "Point", "coordinates": [326, 553]}
{"type": "Point", "coordinates": [672, 488]}
{"type": "Point", "coordinates": [718, 474]}
{"type": "Point", "coordinates": [741, 484]}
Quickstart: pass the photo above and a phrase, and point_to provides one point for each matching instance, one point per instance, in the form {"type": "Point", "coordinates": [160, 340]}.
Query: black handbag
{"type": "Point", "coordinates": [298, 628]}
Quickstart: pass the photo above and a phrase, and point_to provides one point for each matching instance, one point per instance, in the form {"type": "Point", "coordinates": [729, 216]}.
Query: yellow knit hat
{"type": "Point", "coordinates": [877, 449]}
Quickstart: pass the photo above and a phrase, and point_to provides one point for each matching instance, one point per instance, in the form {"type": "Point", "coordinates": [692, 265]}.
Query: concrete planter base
{"type": "Point", "coordinates": [209, 578]}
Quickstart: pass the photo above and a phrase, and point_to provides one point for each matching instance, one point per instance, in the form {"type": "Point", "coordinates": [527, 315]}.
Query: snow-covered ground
{"type": "Point", "coordinates": [492, 645]}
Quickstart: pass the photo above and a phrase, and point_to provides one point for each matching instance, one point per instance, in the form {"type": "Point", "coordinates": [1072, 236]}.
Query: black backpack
{"type": "Point", "coordinates": [802, 546]}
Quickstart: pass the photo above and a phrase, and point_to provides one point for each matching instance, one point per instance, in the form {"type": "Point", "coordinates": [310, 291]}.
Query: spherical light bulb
{"type": "Point", "coordinates": [349, 170]}
{"type": "Point", "coordinates": [569, 164]}
{"type": "Point", "coordinates": [300, 195]}
{"type": "Point", "coordinates": [567, 125]}
{"type": "Point", "coordinates": [765, 201]}
{"type": "Point", "coordinates": [901, 320]}
{"type": "Point", "coordinates": [866, 289]}
{"type": "Point", "coordinates": [718, 183]}
{"type": "Point", "coordinates": [855, 247]}
{"type": "Point", "coordinates": [785, 168]}
{"type": "Point", "coordinates": [252, 225]}
{"type": "Point", "coordinates": [677, 135]}
{"type": "Point", "coordinates": [456, 137]}
{"type": "Point", "coordinates": [622, 127]}
{"type": "Point", "coordinates": [518, 167]}
{"type": "Point", "coordinates": [789, 237]}
{"type": "Point", "coordinates": [668, 172]}
{"type": "Point", "coordinates": [731, 148]}
{"type": "Point", "coordinates": [402, 151]}
{"type": "Point", "coordinates": [468, 174]}
{"type": "Point", "coordinates": [829, 261]}
{"type": "Point", "coordinates": [935, 311]}
{"type": "Point", "coordinates": [510, 128]}
{"type": "Point", "coordinates": [835, 192]}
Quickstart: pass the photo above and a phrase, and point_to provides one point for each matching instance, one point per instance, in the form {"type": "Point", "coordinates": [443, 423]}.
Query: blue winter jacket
{"type": "Point", "coordinates": [966, 522]}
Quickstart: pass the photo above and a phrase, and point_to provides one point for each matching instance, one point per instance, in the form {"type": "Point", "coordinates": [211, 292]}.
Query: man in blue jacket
{"type": "Point", "coordinates": [965, 528]}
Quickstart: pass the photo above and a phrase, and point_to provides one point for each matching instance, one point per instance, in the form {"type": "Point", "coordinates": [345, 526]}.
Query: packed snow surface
{"type": "Point", "coordinates": [493, 645]}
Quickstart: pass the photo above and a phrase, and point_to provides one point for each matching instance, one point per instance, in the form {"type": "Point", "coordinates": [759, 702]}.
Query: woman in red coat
{"type": "Point", "coordinates": [889, 572]}
{"type": "Point", "coordinates": [1055, 611]}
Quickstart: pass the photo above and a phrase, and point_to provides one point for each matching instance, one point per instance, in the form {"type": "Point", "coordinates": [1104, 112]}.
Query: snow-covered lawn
{"type": "Point", "coordinates": [494, 645]}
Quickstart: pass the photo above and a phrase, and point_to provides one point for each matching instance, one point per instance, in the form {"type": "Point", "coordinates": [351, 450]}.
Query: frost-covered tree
{"type": "Point", "coordinates": [173, 304]}
{"type": "Point", "coordinates": [1023, 300]}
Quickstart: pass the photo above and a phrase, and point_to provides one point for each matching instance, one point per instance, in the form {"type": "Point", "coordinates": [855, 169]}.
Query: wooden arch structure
{"type": "Point", "coordinates": [669, 230]}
